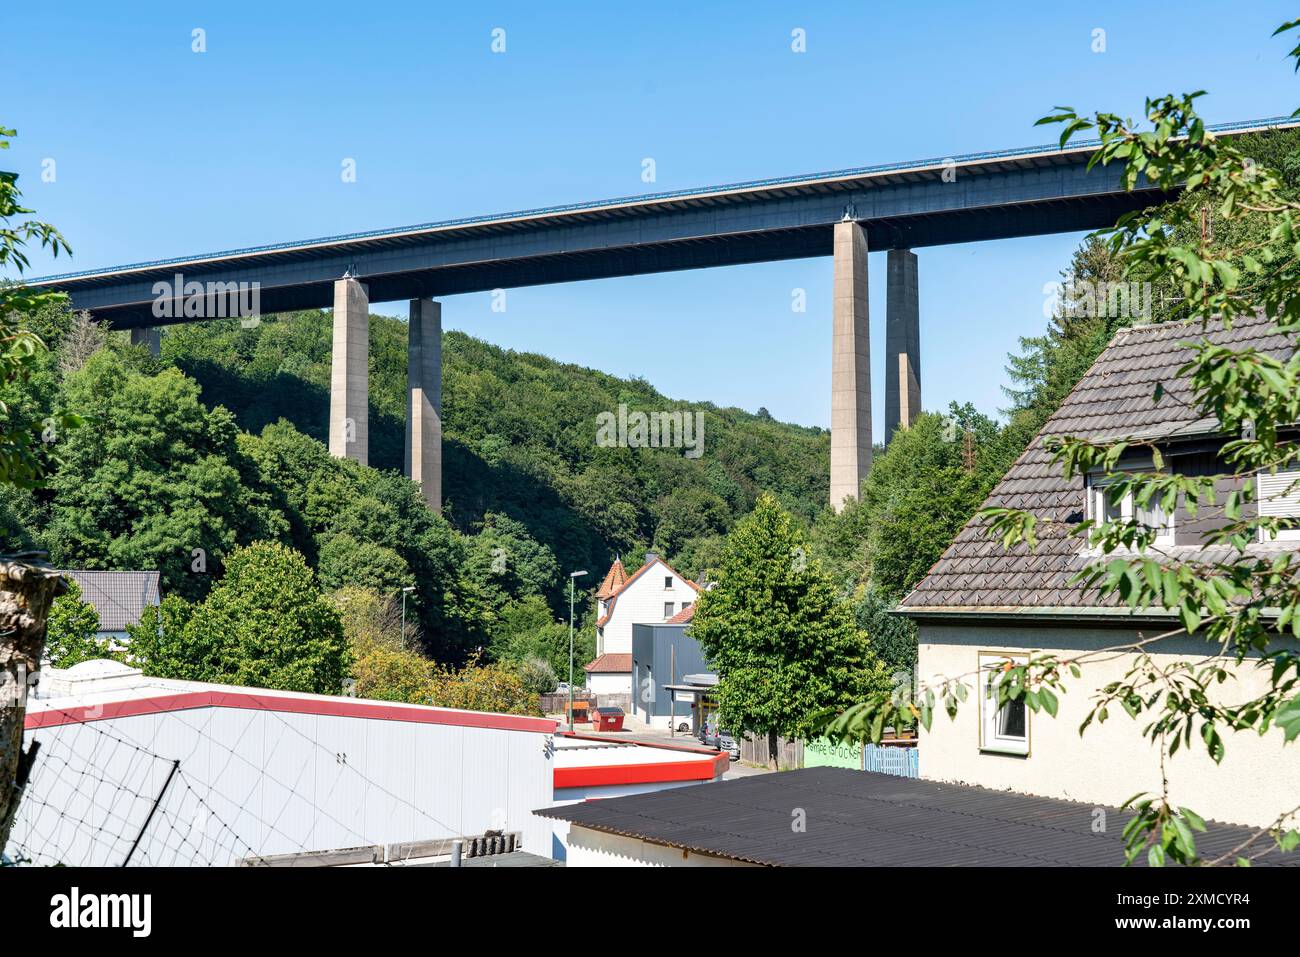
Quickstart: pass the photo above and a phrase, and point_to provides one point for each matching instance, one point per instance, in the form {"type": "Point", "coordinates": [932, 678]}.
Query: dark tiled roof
{"type": "Point", "coordinates": [118, 597]}
{"type": "Point", "coordinates": [1115, 399]}
{"type": "Point", "coordinates": [861, 819]}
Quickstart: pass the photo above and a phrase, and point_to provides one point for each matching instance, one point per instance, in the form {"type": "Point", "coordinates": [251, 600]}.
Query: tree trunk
{"type": "Point", "coordinates": [27, 589]}
{"type": "Point", "coordinates": [773, 751]}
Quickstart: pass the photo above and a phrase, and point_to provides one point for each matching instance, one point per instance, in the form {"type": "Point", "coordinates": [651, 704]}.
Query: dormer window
{"type": "Point", "coordinates": [1279, 497]}
{"type": "Point", "coordinates": [1105, 505]}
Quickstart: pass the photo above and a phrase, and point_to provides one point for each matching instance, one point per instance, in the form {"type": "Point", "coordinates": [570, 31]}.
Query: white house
{"type": "Point", "coordinates": [652, 595]}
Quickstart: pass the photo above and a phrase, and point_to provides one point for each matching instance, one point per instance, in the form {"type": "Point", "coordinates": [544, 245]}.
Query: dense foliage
{"type": "Point", "coordinates": [265, 625]}
{"type": "Point", "coordinates": [70, 635]}
{"type": "Point", "coordinates": [384, 667]}
{"type": "Point", "coordinates": [28, 429]}
{"type": "Point", "coordinates": [520, 439]}
{"type": "Point", "coordinates": [217, 444]}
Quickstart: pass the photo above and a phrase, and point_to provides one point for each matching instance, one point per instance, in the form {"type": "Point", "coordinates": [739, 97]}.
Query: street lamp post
{"type": "Point", "coordinates": [405, 591]}
{"type": "Point", "coordinates": [573, 576]}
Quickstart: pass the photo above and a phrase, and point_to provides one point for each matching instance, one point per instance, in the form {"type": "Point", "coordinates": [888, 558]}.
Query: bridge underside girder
{"type": "Point", "coordinates": [427, 269]}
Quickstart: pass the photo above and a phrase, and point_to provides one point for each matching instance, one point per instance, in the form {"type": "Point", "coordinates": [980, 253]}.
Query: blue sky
{"type": "Point", "coordinates": [161, 151]}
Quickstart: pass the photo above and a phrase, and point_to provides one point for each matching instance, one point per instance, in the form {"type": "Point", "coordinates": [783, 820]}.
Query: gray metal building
{"type": "Point", "coordinates": [663, 655]}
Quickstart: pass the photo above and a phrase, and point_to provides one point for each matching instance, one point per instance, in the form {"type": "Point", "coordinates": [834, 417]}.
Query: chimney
{"type": "Point", "coordinates": [650, 557]}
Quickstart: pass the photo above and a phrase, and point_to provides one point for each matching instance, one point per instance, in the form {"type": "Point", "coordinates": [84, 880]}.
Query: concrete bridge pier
{"type": "Point", "coordinates": [902, 343]}
{"type": "Point", "coordinates": [150, 337]}
{"type": "Point", "coordinates": [850, 366]}
{"type": "Point", "coordinates": [424, 399]}
{"type": "Point", "coordinates": [350, 373]}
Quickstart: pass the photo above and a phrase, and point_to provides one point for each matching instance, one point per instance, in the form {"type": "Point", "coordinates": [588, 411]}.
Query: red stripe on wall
{"type": "Point", "coordinates": [251, 701]}
{"type": "Point", "coordinates": [660, 773]}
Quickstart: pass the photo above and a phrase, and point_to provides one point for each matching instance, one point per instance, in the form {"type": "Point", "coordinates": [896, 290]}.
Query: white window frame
{"type": "Point", "coordinates": [992, 738]}
{"type": "Point", "coordinates": [668, 581]}
{"type": "Point", "coordinates": [668, 610]}
{"type": "Point", "coordinates": [1097, 500]}
{"type": "Point", "coordinates": [1278, 496]}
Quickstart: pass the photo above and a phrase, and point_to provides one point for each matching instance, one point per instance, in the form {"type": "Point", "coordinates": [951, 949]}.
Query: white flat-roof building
{"type": "Point", "coordinates": [162, 772]}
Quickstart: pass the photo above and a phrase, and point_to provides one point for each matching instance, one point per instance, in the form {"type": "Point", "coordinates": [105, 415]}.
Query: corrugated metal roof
{"type": "Point", "coordinates": [1115, 399]}
{"type": "Point", "coordinates": [861, 819]}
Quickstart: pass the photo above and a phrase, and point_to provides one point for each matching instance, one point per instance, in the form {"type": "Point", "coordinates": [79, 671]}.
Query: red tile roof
{"type": "Point", "coordinates": [610, 664]}
{"type": "Point", "coordinates": [614, 580]}
{"type": "Point", "coordinates": [682, 617]}
{"type": "Point", "coordinates": [635, 575]}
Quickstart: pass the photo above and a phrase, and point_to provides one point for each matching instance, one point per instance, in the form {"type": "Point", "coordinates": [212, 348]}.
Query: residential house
{"type": "Point", "coordinates": [119, 598]}
{"type": "Point", "coordinates": [981, 604]}
{"type": "Point", "coordinates": [653, 594]}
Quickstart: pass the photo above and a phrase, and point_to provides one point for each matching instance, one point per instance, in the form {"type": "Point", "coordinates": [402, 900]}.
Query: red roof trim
{"type": "Point", "coordinates": [339, 707]}
{"type": "Point", "coordinates": [662, 773]}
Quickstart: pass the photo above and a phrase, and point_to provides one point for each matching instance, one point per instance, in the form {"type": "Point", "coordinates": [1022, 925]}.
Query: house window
{"type": "Point", "coordinates": [1279, 497]}
{"type": "Point", "coordinates": [668, 609]}
{"type": "Point", "coordinates": [1106, 506]}
{"type": "Point", "coordinates": [1003, 729]}
{"type": "Point", "coordinates": [687, 604]}
{"type": "Point", "coordinates": [668, 581]}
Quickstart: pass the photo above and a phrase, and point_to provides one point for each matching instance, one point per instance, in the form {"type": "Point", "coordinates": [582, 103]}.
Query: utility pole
{"type": "Point", "coordinates": [573, 576]}
{"type": "Point", "coordinates": [405, 591]}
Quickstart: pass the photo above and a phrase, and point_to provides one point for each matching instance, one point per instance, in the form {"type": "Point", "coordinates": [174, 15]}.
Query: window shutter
{"type": "Point", "coordinates": [1279, 495]}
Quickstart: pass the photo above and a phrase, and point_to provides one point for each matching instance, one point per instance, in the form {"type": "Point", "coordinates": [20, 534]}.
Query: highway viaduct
{"type": "Point", "coordinates": [897, 207]}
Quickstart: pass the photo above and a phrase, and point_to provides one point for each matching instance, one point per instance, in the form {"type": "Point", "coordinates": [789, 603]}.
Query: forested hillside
{"type": "Point", "coordinates": [520, 437]}
{"type": "Point", "coordinates": [219, 443]}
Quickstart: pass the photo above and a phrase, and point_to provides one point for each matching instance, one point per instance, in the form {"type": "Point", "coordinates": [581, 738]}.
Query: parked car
{"type": "Point", "coordinates": [561, 688]}
{"type": "Point", "coordinates": [713, 735]}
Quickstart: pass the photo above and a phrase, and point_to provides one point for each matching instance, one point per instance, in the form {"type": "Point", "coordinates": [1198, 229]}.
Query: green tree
{"type": "Point", "coordinates": [508, 562]}
{"type": "Point", "coordinates": [782, 641]}
{"type": "Point", "coordinates": [29, 435]}
{"type": "Point", "coordinates": [265, 625]}
{"type": "Point", "coordinates": [383, 668]}
{"type": "Point", "coordinates": [159, 477]}
{"type": "Point", "coordinates": [527, 630]}
{"type": "Point", "coordinates": [922, 489]}
{"type": "Point", "coordinates": [70, 636]}
{"type": "Point", "coordinates": [346, 561]}
{"type": "Point", "coordinates": [893, 637]}
{"type": "Point", "coordinates": [372, 528]}
{"type": "Point", "coordinates": [25, 441]}
{"type": "Point", "coordinates": [159, 645]}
